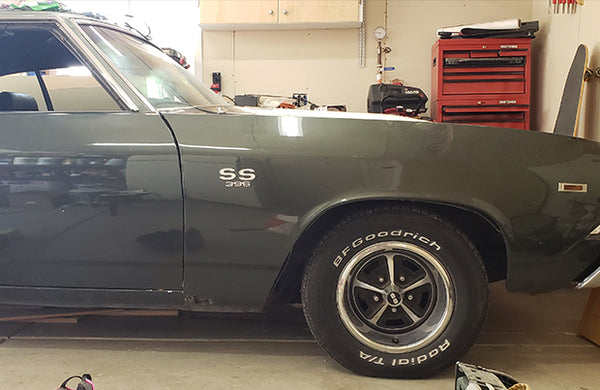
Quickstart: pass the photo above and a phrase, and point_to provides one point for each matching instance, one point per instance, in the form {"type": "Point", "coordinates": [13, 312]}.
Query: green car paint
{"type": "Point", "coordinates": [206, 208]}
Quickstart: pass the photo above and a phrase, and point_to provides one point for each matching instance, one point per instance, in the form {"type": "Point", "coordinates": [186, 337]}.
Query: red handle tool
{"type": "Point", "coordinates": [561, 6]}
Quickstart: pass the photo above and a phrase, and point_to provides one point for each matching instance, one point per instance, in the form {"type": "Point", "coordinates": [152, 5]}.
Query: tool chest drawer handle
{"type": "Point", "coordinates": [486, 109]}
{"type": "Point", "coordinates": [481, 62]}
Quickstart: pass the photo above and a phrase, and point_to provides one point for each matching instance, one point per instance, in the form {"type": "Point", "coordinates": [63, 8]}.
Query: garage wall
{"type": "Point", "coordinates": [324, 63]}
{"type": "Point", "coordinates": [554, 49]}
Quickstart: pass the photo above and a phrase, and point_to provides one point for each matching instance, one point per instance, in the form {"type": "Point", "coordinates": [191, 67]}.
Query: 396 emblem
{"type": "Point", "coordinates": [237, 179]}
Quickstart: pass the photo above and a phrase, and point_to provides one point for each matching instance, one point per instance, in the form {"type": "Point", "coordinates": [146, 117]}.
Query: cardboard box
{"type": "Point", "coordinates": [589, 327]}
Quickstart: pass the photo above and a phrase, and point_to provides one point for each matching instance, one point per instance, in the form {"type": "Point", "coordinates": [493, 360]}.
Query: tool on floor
{"type": "Point", "coordinates": [470, 377]}
{"type": "Point", "coordinates": [84, 384]}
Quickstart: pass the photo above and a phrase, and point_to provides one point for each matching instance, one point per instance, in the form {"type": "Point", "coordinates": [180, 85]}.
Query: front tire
{"type": "Point", "coordinates": [397, 293]}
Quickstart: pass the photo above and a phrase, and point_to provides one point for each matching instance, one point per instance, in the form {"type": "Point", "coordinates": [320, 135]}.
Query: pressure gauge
{"type": "Point", "coordinates": [379, 33]}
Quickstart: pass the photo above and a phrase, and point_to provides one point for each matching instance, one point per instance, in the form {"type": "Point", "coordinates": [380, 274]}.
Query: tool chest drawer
{"type": "Point", "coordinates": [476, 70]}
{"type": "Point", "coordinates": [491, 112]}
{"type": "Point", "coordinates": [480, 66]}
{"type": "Point", "coordinates": [476, 83]}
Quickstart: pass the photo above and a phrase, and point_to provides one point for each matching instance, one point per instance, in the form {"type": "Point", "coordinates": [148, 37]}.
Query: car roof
{"type": "Point", "coordinates": [19, 14]}
{"type": "Point", "coordinates": [16, 14]}
{"type": "Point", "coordinates": [81, 18]}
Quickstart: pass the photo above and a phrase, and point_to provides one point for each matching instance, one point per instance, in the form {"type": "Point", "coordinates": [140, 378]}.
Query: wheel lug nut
{"type": "Point", "coordinates": [381, 279]}
{"type": "Point", "coordinates": [410, 297]}
{"type": "Point", "coordinates": [375, 298]}
{"type": "Point", "coordinates": [402, 278]}
{"type": "Point", "coordinates": [394, 310]}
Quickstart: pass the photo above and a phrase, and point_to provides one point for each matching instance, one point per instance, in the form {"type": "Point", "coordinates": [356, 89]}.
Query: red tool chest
{"type": "Point", "coordinates": [482, 81]}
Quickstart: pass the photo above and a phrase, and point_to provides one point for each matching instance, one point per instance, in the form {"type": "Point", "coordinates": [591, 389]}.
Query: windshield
{"type": "Point", "coordinates": [163, 82]}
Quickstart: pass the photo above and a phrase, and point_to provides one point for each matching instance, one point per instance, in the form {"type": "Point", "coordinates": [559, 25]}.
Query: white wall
{"type": "Point", "coordinates": [554, 49]}
{"type": "Point", "coordinates": [324, 63]}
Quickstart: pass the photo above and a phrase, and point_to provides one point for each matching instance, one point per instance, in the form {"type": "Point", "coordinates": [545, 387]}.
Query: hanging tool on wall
{"type": "Point", "coordinates": [177, 56]}
{"type": "Point", "coordinates": [380, 34]}
{"type": "Point", "coordinates": [564, 6]}
{"type": "Point", "coordinates": [216, 82]}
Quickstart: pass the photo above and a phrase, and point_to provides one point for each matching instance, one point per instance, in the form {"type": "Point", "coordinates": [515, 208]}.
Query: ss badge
{"type": "Point", "coordinates": [241, 178]}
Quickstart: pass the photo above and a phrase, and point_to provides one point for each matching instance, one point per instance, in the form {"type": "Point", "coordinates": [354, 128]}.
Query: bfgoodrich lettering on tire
{"type": "Point", "coordinates": [397, 293]}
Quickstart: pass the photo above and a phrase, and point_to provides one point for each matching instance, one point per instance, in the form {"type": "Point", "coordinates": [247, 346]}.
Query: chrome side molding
{"type": "Point", "coordinates": [595, 231]}
{"type": "Point", "coordinates": [591, 281]}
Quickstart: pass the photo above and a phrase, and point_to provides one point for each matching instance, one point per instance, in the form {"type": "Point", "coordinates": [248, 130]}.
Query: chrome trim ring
{"type": "Point", "coordinates": [394, 312]}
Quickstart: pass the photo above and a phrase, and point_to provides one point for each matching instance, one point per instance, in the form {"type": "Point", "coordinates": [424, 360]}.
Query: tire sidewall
{"type": "Point", "coordinates": [445, 243]}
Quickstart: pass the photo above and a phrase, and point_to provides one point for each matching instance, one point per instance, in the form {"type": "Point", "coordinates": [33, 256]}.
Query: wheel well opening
{"type": "Point", "coordinates": [486, 237]}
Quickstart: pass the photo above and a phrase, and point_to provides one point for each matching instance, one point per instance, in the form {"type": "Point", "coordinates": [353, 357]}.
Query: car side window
{"type": "Point", "coordinates": [39, 73]}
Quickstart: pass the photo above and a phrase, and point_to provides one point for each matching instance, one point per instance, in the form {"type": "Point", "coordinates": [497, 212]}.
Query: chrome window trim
{"type": "Point", "coordinates": [92, 58]}
{"type": "Point", "coordinates": [78, 22]}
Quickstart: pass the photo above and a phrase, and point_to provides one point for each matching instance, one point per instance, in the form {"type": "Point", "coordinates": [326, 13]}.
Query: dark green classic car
{"type": "Point", "coordinates": [124, 182]}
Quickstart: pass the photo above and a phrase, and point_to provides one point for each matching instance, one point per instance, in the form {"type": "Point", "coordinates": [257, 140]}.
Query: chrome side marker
{"type": "Point", "coordinates": [572, 187]}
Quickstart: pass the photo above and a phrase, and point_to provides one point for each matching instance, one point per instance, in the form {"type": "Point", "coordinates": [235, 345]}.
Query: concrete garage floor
{"type": "Point", "coordinates": [533, 338]}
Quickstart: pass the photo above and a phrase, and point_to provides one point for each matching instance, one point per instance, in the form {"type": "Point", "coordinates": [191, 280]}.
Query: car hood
{"type": "Point", "coordinates": [300, 113]}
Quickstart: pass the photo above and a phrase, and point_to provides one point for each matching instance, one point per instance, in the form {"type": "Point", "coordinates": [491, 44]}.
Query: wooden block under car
{"type": "Point", "coordinates": [589, 327]}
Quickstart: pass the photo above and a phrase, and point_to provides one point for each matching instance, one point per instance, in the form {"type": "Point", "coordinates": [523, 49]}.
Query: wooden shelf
{"type": "Point", "coordinates": [279, 14]}
{"type": "Point", "coordinates": [278, 26]}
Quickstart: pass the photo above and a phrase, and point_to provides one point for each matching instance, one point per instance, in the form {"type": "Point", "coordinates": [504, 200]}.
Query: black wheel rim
{"type": "Point", "coordinates": [394, 297]}
{"type": "Point", "coordinates": [392, 291]}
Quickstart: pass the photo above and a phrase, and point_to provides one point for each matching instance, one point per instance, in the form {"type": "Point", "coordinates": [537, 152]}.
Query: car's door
{"type": "Point", "coordinates": [90, 194]}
